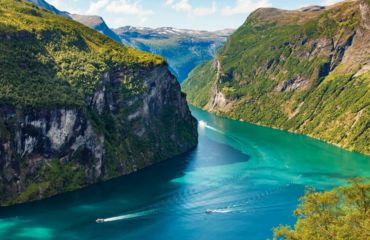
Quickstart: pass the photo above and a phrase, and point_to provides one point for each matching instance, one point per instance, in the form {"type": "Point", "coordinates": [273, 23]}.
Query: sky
{"type": "Point", "coordinates": [189, 14]}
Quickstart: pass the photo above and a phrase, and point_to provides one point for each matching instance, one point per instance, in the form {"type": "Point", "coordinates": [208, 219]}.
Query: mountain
{"type": "Point", "coordinates": [92, 21]}
{"type": "Point", "coordinates": [97, 23]}
{"type": "Point", "coordinates": [77, 108]}
{"type": "Point", "coordinates": [305, 71]}
{"type": "Point", "coordinates": [183, 49]}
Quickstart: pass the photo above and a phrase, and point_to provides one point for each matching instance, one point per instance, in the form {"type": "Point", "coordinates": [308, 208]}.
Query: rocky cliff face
{"type": "Point", "coordinates": [37, 142]}
{"type": "Point", "coordinates": [305, 71]}
{"type": "Point", "coordinates": [77, 108]}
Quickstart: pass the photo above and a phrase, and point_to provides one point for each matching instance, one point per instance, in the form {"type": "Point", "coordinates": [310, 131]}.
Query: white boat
{"type": "Point", "coordinates": [100, 220]}
{"type": "Point", "coordinates": [202, 124]}
{"type": "Point", "coordinates": [210, 211]}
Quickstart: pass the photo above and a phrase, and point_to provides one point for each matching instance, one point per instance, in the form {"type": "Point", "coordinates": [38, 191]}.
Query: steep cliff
{"type": "Point", "coordinates": [305, 71]}
{"type": "Point", "coordinates": [77, 108]}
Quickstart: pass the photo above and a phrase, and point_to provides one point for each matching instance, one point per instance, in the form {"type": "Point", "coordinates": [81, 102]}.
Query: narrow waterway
{"type": "Point", "coordinates": [250, 176]}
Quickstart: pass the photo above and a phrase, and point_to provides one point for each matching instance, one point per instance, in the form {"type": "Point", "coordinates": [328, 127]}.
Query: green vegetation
{"type": "Point", "coordinates": [200, 81]}
{"type": "Point", "coordinates": [54, 177]}
{"type": "Point", "coordinates": [183, 55]}
{"type": "Point", "coordinates": [51, 65]}
{"type": "Point", "coordinates": [288, 69]}
{"type": "Point", "coordinates": [343, 213]}
{"type": "Point", "coordinates": [53, 61]}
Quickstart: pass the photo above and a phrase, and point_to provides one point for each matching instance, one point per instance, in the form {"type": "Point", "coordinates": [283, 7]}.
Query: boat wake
{"type": "Point", "coordinates": [203, 124]}
{"type": "Point", "coordinates": [221, 210]}
{"type": "Point", "coordinates": [126, 216]}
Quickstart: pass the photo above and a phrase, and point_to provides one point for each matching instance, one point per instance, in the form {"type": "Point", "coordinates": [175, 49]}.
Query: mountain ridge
{"type": "Point", "coordinates": [176, 31]}
{"type": "Point", "coordinates": [97, 23]}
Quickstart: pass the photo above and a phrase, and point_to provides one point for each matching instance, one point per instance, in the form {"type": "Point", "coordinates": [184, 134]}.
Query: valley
{"type": "Point", "coordinates": [111, 129]}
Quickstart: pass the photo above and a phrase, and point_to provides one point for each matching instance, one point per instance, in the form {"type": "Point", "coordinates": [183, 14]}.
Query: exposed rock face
{"type": "Point", "coordinates": [37, 137]}
{"type": "Point", "coordinates": [292, 84]}
{"type": "Point", "coordinates": [218, 99]}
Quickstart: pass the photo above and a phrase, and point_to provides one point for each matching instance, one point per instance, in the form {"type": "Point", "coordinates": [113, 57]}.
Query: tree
{"type": "Point", "coordinates": [340, 214]}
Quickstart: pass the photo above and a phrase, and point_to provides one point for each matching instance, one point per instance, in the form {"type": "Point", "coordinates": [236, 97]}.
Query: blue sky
{"type": "Point", "coordinates": [190, 14]}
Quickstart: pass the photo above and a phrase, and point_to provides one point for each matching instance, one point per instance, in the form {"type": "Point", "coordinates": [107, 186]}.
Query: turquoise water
{"type": "Point", "coordinates": [250, 176]}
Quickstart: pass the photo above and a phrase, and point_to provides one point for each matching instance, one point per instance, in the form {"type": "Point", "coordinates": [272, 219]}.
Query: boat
{"type": "Point", "coordinates": [210, 211]}
{"type": "Point", "coordinates": [224, 210]}
{"type": "Point", "coordinates": [100, 220]}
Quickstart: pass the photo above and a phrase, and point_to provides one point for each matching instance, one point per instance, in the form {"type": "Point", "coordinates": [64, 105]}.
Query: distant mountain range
{"type": "Point", "coordinates": [183, 49]}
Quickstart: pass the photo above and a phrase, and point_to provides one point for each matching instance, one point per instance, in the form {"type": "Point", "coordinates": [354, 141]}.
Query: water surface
{"type": "Point", "coordinates": [250, 176]}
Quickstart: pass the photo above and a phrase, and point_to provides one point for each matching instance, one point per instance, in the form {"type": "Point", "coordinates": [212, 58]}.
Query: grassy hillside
{"type": "Point", "coordinates": [305, 71]}
{"type": "Point", "coordinates": [198, 85]}
{"type": "Point", "coordinates": [51, 60]}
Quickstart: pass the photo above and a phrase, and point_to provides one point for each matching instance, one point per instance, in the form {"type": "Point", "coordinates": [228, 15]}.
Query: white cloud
{"type": "Point", "coordinates": [97, 6]}
{"type": "Point", "coordinates": [182, 6]}
{"type": "Point", "coordinates": [123, 7]}
{"type": "Point", "coordinates": [185, 7]}
{"type": "Point", "coordinates": [205, 11]}
{"type": "Point", "coordinates": [56, 3]}
{"type": "Point", "coordinates": [128, 7]}
{"type": "Point", "coordinates": [169, 2]}
{"type": "Point", "coordinates": [244, 7]}
{"type": "Point", "coordinates": [65, 5]}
